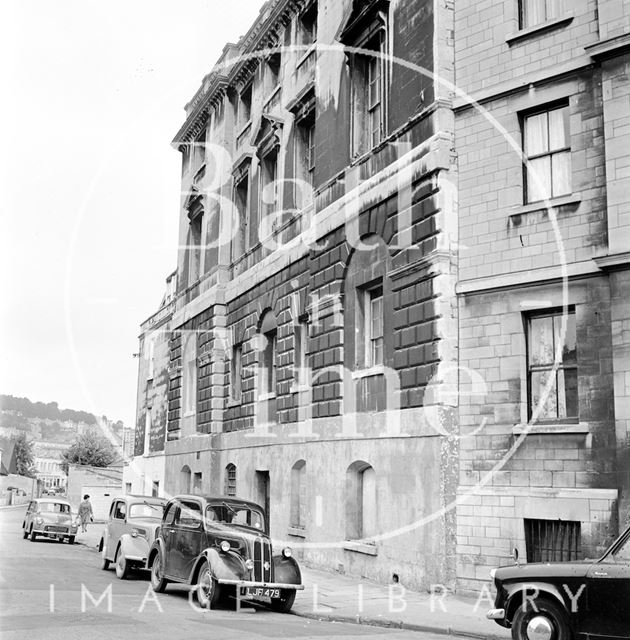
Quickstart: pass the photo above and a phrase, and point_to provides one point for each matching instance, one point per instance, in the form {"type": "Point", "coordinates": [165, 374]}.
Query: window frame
{"type": "Point", "coordinates": [365, 136]}
{"type": "Point", "coordinates": [548, 153]}
{"type": "Point", "coordinates": [532, 369]}
{"type": "Point", "coordinates": [367, 294]}
{"type": "Point", "coordinates": [245, 100]}
{"type": "Point", "coordinates": [523, 6]}
{"type": "Point", "coordinates": [236, 373]}
{"type": "Point", "coordinates": [229, 483]}
{"type": "Point", "coordinates": [266, 177]}
{"type": "Point", "coordinates": [241, 197]}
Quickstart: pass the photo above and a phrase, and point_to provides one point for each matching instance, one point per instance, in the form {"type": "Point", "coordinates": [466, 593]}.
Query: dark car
{"type": "Point", "coordinates": [567, 601]}
{"type": "Point", "coordinates": [220, 546]}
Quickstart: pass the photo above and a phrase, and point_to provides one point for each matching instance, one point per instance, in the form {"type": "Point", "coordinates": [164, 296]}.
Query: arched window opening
{"type": "Point", "coordinates": [184, 479]}
{"type": "Point", "coordinates": [298, 495]}
{"type": "Point", "coordinates": [361, 506]}
{"type": "Point", "coordinates": [230, 480]}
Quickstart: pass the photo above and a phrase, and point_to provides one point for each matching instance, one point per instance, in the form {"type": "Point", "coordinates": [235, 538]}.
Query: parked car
{"type": "Point", "coordinates": [50, 517]}
{"type": "Point", "coordinates": [220, 545]}
{"type": "Point", "coordinates": [566, 601]}
{"type": "Point", "coordinates": [129, 532]}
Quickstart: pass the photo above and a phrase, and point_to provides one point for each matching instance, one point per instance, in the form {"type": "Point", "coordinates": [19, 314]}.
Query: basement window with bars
{"type": "Point", "coordinates": [552, 540]}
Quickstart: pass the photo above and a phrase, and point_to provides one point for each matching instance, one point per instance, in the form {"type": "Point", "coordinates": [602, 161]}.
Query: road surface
{"type": "Point", "coordinates": [56, 591]}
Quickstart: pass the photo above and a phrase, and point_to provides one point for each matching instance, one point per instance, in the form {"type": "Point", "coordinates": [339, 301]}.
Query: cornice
{"type": "Point", "coordinates": [263, 34]}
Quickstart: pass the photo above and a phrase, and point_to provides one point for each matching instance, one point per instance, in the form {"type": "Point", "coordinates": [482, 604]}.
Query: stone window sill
{"type": "Point", "coordinates": [299, 388]}
{"type": "Point", "coordinates": [538, 29]}
{"type": "Point", "coordinates": [552, 428]}
{"type": "Point", "coordinates": [377, 370]}
{"type": "Point", "coordinates": [296, 532]}
{"type": "Point", "coordinates": [264, 397]}
{"type": "Point", "coordinates": [360, 547]}
{"type": "Point", "coordinates": [305, 56]}
{"type": "Point", "coordinates": [573, 199]}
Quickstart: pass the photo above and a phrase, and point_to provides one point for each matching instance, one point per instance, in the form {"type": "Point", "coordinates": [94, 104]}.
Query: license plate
{"type": "Point", "coordinates": [53, 535]}
{"type": "Point", "coordinates": [262, 592]}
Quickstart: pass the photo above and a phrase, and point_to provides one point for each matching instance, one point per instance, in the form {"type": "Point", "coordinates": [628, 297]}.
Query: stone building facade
{"type": "Point", "coordinates": [541, 136]}
{"type": "Point", "coordinates": [315, 296]}
{"type": "Point", "coordinates": [401, 318]}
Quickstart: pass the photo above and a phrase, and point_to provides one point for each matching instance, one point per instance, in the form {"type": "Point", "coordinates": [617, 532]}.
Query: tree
{"type": "Point", "coordinates": [24, 458]}
{"type": "Point", "coordinates": [89, 449]}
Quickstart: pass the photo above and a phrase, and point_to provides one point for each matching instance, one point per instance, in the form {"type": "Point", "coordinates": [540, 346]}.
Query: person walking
{"type": "Point", "coordinates": [85, 513]}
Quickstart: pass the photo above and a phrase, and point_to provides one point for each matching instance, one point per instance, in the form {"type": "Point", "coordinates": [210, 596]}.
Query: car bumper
{"type": "Point", "coordinates": [266, 585]}
{"type": "Point", "coordinates": [496, 614]}
{"type": "Point", "coordinates": [45, 531]}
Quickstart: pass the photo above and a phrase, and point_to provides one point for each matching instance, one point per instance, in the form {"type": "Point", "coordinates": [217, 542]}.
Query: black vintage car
{"type": "Point", "coordinates": [567, 601]}
{"type": "Point", "coordinates": [220, 546]}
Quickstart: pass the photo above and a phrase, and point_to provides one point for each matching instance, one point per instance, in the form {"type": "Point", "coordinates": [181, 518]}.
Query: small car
{"type": "Point", "coordinates": [566, 601]}
{"type": "Point", "coordinates": [50, 517]}
{"type": "Point", "coordinates": [129, 532]}
{"type": "Point", "coordinates": [219, 546]}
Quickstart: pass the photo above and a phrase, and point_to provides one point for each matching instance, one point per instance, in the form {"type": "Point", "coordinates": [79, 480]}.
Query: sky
{"type": "Point", "coordinates": [89, 184]}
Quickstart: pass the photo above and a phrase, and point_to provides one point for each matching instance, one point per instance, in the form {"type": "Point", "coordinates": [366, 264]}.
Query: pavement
{"type": "Point", "coordinates": [338, 598]}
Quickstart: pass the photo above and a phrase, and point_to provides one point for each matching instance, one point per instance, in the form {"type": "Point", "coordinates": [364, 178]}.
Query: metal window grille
{"type": "Point", "coordinates": [552, 540]}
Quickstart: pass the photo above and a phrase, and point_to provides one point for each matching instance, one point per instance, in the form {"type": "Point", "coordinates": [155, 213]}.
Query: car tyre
{"type": "Point", "coordinates": [554, 614]}
{"type": "Point", "coordinates": [32, 534]}
{"type": "Point", "coordinates": [70, 539]}
{"type": "Point", "coordinates": [122, 566]}
{"type": "Point", "coordinates": [208, 590]}
{"type": "Point", "coordinates": [158, 582]}
{"type": "Point", "coordinates": [284, 603]}
{"type": "Point", "coordinates": [25, 533]}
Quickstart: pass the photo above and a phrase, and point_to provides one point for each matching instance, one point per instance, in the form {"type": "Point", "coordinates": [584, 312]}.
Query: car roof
{"type": "Point", "coordinates": [61, 500]}
{"type": "Point", "coordinates": [134, 497]}
{"type": "Point", "coordinates": [213, 498]}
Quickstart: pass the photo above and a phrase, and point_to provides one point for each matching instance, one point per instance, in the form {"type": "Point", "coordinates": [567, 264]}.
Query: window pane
{"type": "Point", "coordinates": [558, 128]}
{"type": "Point", "coordinates": [533, 12]}
{"type": "Point", "coordinates": [376, 316]}
{"type": "Point", "coordinates": [555, 8]}
{"type": "Point", "coordinates": [541, 341]}
{"type": "Point", "coordinates": [548, 402]}
{"type": "Point", "coordinates": [569, 346]}
{"type": "Point", "coordinates": [539, 179]}
{"type": "Point", "coordinates": [567, 393]}
{"type": "Point", "coordinates": [536, 135]}
{"type": "Point", "coordinates": [561, 172]}
{"type": "Point", "coordinates": [377, 351]}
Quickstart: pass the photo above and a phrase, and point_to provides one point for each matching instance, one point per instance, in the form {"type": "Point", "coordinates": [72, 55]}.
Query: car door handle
{"type": "Point", "coordinates": [600, 574]}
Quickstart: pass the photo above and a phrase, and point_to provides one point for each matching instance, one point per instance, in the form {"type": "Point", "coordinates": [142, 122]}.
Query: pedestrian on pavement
{"type": "Point", "coordinates": [85, 512]}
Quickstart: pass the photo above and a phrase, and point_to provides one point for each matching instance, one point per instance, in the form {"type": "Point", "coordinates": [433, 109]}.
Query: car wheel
{"type": "Point", "coordinates": [284, 603]}
{"type": "Point", "coordinates": [122, 566]}
{"type": "Point", "coordinates": [33, 535]}
{"type": "Point", "coordinates": [208, 590]}
{"type": "Point", "coordinates": [158, 582]}
{"type": "Point", "coordinates": [70, 539]}
{"type": "Point", "coordinates": [545, 621]}
{"type": "Point", "coordinates": [24, 533]}
{"type": "Point", "coordinates": [104, 561]}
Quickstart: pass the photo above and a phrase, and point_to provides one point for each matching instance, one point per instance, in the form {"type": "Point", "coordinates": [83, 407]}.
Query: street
{"type": "Point", "coordinates": [56, 591]}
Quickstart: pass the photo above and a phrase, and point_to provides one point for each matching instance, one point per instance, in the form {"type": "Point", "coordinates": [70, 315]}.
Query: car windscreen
{"type": "Point", "coordinates": [54, 507]}
{"type": "Point", "coordinates": [235, 513]}
{"type": "Point", "coordinates": [146, 510]}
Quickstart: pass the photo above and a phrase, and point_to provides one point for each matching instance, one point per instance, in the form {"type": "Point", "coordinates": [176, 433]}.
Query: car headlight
{"type": "Point", "coordinates": [138, 532]}
{"type": "Point", "coordinates": [39, 520]}
{"type": "Point", "coordinates": [287, 552]}
{"type": "Point", "coordinates": [493, 572]}
{"type": "Point", "coordinates": [249, 564]}
{"type": "Point", "coordinates": [225, 546]}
